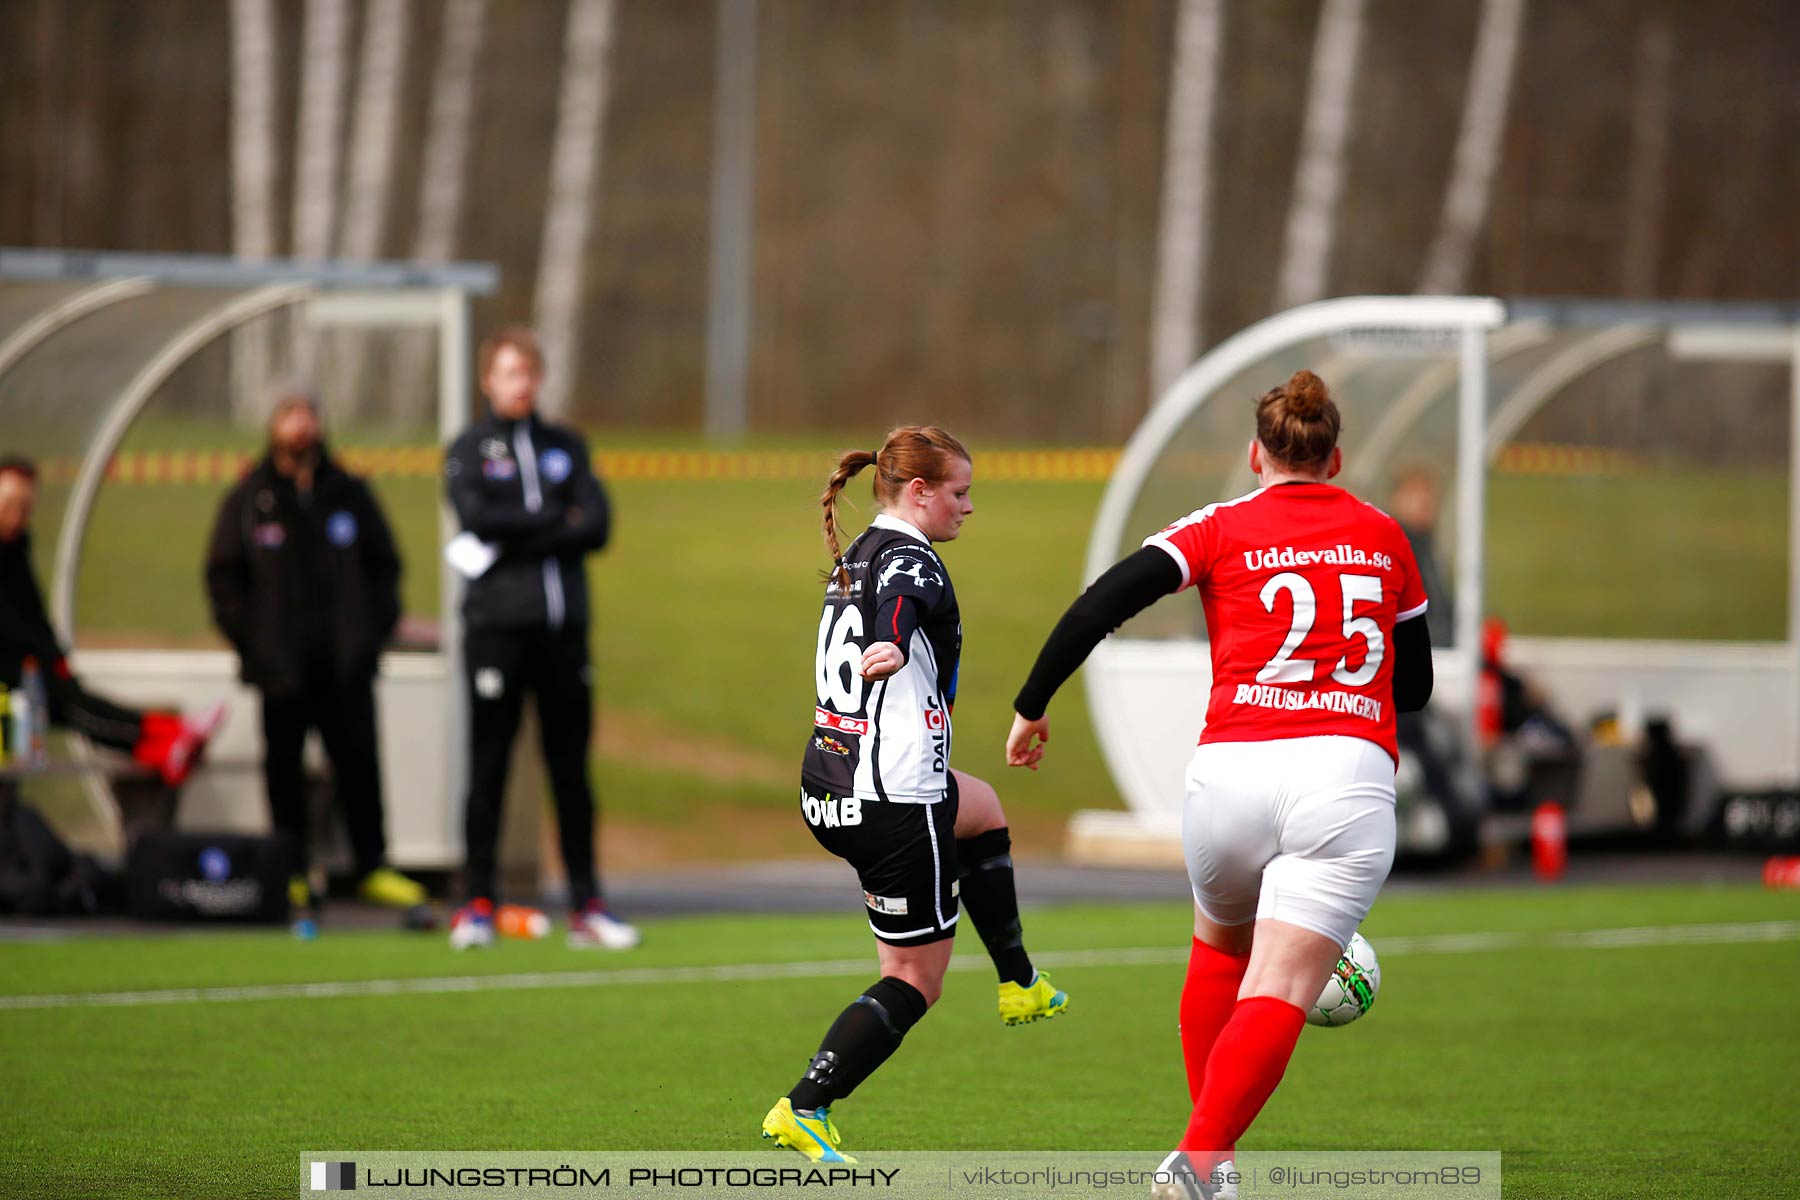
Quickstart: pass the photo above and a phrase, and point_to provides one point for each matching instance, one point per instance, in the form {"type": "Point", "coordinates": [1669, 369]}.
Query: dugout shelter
{"type": "Point", "coordinates": [140, 385]}
{"type": "Point", "coordinates": [1619, 482]}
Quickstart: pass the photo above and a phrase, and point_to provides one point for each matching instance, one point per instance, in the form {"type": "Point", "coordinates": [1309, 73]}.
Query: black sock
{"type": "Point", "coordinates": [985, 865]}
{"type": "Point", "coordinates": [861, 1039]}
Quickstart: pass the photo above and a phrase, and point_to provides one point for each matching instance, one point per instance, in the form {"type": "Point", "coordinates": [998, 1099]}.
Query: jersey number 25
{"type": "Point", "coordinates": [1284, 668]}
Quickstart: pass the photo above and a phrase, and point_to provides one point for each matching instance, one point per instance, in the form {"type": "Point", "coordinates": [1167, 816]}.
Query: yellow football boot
{"type": "Point", "coordinates": [814, 1136]}
{"type": "Point", "coordinates": [390, 889]}
{"type": "Point", "coordinates": [1023, 1005]}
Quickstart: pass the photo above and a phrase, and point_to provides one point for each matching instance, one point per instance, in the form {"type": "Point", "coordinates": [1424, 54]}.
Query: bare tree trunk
{"type": "Point", "coordinates": [441, 182]}
{"type": "Point", "coordinates": [447, 140]}
{"type": "Point", "coordinates": [372, 129]}
{"type": "Point", "coordinates": [574, 188]}
{"type": "Point", "coordinates": [1324, 144]}
{"type": "Point", "coordinates": [1649, 170]}
{"type": "Point", "coordinates": [253, 148]}
{"type": "Point", "coordinates": [372, 163]}
{"type": "Point", "coordinates": [733, 225]}
{"type": "Point", "coordinates": [321, 117]}
{"type": "Point", "coordinates": [1137, 161]}
{"type": "Point", "coordinates": [53, 121]}
{"type": "Point", "coordinates": [1470, 194]}
{"type": "Point", "coordinates": [957, 191]}
{"type": "Point", "coordinates": [1182, 245]}
{"type": "Point", "coordinates": [316, 151]}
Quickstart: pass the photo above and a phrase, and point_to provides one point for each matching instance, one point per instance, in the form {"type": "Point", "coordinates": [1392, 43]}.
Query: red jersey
{"type": "Point", "coordinates": [1302, 584]}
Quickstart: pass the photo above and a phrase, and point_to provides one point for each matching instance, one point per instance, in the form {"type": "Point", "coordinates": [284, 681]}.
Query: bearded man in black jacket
{"type": "Point", "coordinates": [304, 581]}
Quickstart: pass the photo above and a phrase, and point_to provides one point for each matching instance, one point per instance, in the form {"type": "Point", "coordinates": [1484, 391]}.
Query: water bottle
{"type": "Point", "coordinates": [1549, 841]}
{"type": "Point", "coordinates": [18, 725]}
{"type": "Point", "coordinates": [520, 921]}
{"type": "Point", "coordinates": [21, 719]}
{"type": "Point", "coordinates": [28, 734]}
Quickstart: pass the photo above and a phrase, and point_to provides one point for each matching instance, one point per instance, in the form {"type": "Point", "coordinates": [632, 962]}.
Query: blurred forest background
{"type": "Point", "coordinates": [988, 206]}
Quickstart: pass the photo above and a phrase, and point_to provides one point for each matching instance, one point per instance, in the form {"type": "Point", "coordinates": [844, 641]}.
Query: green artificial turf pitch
{"type": "Point", "coordinates": [1639, 1070]}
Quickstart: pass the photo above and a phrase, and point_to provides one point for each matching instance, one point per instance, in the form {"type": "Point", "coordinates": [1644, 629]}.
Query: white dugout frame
{"type": "Point", "coordinates": [420, 695]}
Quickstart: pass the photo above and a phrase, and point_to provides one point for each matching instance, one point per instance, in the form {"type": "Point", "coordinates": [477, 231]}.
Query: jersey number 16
{"type": "Point", "coordinates": [840, 653]}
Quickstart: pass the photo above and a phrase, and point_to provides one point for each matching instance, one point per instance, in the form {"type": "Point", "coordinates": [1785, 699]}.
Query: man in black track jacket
{"type": "Point", "coordinates": [304, 581]}
{"type": "Point", "coordinates": [531, 510]}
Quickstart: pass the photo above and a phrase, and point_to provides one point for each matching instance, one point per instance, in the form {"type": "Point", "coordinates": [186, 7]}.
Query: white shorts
{"type": "Point", "coordinates": [1298, 829]}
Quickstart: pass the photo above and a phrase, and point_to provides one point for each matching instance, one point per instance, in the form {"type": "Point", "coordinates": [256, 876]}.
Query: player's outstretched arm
{"type": "Point", "coordinates": [1127, 588]}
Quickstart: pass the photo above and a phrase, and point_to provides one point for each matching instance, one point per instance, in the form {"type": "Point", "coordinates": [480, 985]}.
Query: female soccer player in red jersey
{"type": "Point", "coordinates": [1316, 616]}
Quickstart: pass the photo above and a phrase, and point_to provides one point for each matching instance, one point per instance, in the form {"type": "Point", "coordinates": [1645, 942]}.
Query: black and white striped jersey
{"type": "Point", "coordinates": [890, 739]}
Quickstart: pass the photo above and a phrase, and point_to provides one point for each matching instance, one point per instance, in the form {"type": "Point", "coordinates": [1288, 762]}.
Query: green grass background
{"type": "Point", "coordinates": [1653, 1071]}
{"type": "Point", "coordinates": [706, 606]}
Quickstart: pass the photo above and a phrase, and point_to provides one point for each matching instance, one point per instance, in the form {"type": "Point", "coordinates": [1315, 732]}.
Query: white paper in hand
{"type": "Point", "coordinates": [470, 555]}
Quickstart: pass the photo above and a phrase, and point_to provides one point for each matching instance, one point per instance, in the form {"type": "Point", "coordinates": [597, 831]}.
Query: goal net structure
{"type": "Point", "coordinates": [142, 387]}
{"type": "Point", "coordinates": [1617, 482]}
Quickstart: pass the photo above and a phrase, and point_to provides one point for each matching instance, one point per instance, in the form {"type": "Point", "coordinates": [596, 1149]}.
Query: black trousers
{"type": "Point", "coordinates": [501, 667]}
{"type": "Point", "coordinates": [344, 715]}
{"type": "Point", "coordinates": [94, 717]}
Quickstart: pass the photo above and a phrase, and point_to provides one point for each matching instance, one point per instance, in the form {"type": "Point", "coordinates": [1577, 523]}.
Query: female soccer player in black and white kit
{"type": "Point", "coordinates": [876, 785]}
{"type": "Point", "coordinates": [1288, 828]}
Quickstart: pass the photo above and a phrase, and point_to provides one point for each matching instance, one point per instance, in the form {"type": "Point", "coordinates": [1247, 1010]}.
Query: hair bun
{"type": "Point", "coordinates": [1307, 395]}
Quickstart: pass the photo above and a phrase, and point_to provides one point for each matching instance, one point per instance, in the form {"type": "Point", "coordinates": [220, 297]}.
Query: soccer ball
{"type": "Point", "coordinates": [1350, 992]}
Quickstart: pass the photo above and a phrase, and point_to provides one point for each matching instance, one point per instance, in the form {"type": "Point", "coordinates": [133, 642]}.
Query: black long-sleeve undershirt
{"type": "Point", "coordinates": [1138, 581]}
{"type": "Point", "coordinates": [1413, 676]}
{"type": "Point", "coordinates": [895, 622]}
{"type": "Point", "coordinates": [1127, 588]}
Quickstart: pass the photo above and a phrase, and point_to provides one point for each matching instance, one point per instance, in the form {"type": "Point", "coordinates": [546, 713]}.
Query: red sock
{"type": "Point", "coordinates": [1207, 999]}
{"type": "Point", "coordinates": [1246, 1063]}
